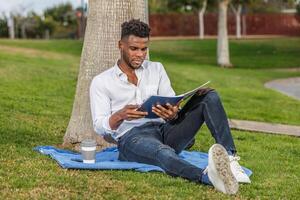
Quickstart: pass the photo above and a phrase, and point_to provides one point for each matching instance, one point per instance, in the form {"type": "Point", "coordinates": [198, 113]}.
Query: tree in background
{"type": "Point", "coordinates": [63, 17]}
{"type": "Point", "coordinates": [223, 58]}
{"type": "Point", "coordinates": [46, 27]}
{"type": "Point", "coordinates": [183, 5]}
{"type": "Point", "coordinates": [270, 6]}
{"type": "Point", "coordinates": [99, 53]}
{"type": "Point", "coordinates": [32, 25]}
{"type": "Point", "coordinates": [198, 6]}
{"type": "Point", "coordinates": [236, 7]}
{"type": "Point", "coordinates": [201, 12]}
{"type": "Point", "coordinates": [3, 26]}
{"type": "Point", "coordinates": [158, 6]}
{"type": "Point", "coordinates": [61, 14]}
{"type": "Point", "coordinates": [202, 7]}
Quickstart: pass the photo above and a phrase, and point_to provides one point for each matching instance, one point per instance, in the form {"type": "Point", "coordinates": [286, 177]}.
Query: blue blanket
{"type": "Point", "coordinates": [108, 159]}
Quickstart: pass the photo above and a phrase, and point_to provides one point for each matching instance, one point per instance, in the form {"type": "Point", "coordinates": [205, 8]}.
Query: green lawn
{"type": "Point", "coordinates": [37, 85]}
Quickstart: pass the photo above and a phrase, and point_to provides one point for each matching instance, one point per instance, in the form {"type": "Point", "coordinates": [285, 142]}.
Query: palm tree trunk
{"type": "Point", "coordinates": [222, 47]}
{"type": "Point", "coordinates": [99, 53]}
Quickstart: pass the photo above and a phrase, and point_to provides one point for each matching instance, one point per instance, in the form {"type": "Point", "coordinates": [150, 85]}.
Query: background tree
{"type": "Point", "coordinates": [236, 7]}
{"type": "Point", "coordinates": [269, 6]}
{"type": "Point", "coordinates": [46, 26]}
{"type": "Point", "coordinates": [198, 6]}
{"type": "Point", "coordinates": [99, 53]}
{"type": "Point", "coordinates": [183, 5]}
{"type": "Point", "coordinates": [3, 26]}
{"type": "Point", "coordinates": [201, 12]}
{"type": "Point", "coordinates": [63, 18]}
{"type": "Point", "coordinates": [60, 14]}
{"type": "Point", "coordinates": [223, 58]}
{"type": "Point", "coordinates": [158, 6]}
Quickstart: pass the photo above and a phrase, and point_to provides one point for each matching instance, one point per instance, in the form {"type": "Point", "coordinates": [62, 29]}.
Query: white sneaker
{"type": "Point", "coordinates": [219, 172]}
{"type": "Point", "coordinates": [237, 170]}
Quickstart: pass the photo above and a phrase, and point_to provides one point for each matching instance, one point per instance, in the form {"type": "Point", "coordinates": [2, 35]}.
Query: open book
{"type": "Point", "coordinates": [162, 100]}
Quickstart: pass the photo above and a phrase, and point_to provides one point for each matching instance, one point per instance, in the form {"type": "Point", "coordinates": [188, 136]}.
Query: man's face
{"type": "Point", "coordinates": [133, 50]}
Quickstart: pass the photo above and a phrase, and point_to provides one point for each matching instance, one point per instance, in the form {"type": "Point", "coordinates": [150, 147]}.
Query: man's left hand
{"type": "Point", "coordinates": [167, 112]}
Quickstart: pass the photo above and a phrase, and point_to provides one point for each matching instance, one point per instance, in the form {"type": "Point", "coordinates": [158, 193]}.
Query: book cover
{"type": "Point", "coordinates": [163, 100]}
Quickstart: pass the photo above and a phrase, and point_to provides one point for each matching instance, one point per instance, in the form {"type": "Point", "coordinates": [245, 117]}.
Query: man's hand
{"type": "Point", "coordinates": [204, 91]}
{"type": "Point", "coordinates": [129, 112]}
{"type": "Point", "coordinates": [167, 112]}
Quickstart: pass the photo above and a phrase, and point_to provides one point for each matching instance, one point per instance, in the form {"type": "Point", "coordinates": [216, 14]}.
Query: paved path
{"type": "Point", "coordinates": [290, 86]}
{"type": "Point", "coordinates": [264, 127]}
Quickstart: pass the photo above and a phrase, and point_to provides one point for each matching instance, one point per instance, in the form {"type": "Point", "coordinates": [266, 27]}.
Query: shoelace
{"type": "Point", "coordinates": [235, 158]}
{"type": "Point", "coordinates": [234, 161]}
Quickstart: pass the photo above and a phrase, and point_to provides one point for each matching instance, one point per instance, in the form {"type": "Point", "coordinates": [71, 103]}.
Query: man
{"type": "Point", "coordinates": [116, 95]}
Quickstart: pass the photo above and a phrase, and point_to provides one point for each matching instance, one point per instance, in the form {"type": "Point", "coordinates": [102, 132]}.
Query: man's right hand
{"type": "Point", "coordinates": [129, 112]}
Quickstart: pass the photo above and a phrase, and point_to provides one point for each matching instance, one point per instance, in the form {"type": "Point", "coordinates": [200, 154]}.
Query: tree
{"type": "Point", "coordinates": [3, 26]}
{"type": "Point", "coordinates": [236, 7]}
{"type": "Point", "coordinates": [98, 54]}
{"type": "Point", "coordinates": [157, 6]}
{"type": "Point", "coordinates": [11, 26]}
{"type": "Point", "coordinates": [46, 27]}
{"type": "Point", "coordinates": [64, 18]}
{"type": "Point", "coordinates": [62, 13]}
{"type": "Point", "coordinates": [222, 45]}
{"type": "Point", "coordinates": [198, 6]}
{"type": "Point", "coordinates": [201, 18]}
{"type": "Point", "coordinates": [298, 8]}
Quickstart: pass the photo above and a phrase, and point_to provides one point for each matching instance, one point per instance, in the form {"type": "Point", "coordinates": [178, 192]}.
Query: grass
{"type": "Point", "coordinates": [37, 85]}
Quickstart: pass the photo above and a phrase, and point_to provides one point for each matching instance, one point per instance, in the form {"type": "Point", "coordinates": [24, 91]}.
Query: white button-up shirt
{"type": "Point", "coordinates": [110, 91]}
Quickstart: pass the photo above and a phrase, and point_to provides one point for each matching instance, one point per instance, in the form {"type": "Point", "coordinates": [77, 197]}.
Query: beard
{"type": "Point", "coordinates": [132, 63]}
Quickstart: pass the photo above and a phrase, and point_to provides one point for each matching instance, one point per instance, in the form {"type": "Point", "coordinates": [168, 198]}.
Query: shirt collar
{"type": "Point", "coordinates": [119, 72]}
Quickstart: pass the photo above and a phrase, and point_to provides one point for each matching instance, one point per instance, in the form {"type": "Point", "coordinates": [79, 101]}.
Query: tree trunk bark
{"type": "Point", "coordinates": [201, 19]}
{"type": "Point", "coordinates": [222, 47]}
{"type": "Point", "coordinates": [244, 24]}
{"type": "Point", "coordinates": [237, 12]}
{"type": "Point", "coordinates": [100, 52]}
{"type": "Point", "coordinates": [238, 21]}
{"type": "Point", "coordinates": [23, 30]}
{"type": "Point", "coordinates": [11, 27]}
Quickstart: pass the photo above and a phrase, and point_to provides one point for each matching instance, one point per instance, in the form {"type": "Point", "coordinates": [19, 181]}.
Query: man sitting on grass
{"type": "Point", "coordinates": [115, 97]}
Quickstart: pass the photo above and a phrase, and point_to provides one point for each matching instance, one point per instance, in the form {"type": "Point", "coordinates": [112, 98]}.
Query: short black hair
{"type": "Point", "coordinates": [135, 27]}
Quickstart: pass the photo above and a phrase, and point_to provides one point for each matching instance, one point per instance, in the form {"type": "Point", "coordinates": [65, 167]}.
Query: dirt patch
{"type": "Point", "coordinates": [33, 53]}
{"type": "Point", "coordinates": [293, 69]}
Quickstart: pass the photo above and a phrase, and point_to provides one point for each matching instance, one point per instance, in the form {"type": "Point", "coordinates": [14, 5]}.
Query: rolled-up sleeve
{"type": "Point", "coordinates": [100, 107]}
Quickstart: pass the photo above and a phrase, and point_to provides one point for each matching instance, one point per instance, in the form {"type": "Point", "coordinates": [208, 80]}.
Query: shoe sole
{"type": "Point", "coordinates": [221, 162]}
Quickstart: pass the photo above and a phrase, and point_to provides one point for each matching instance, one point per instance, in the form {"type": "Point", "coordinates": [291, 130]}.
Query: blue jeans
{"type": "Point", "coordinates": [160, 143]}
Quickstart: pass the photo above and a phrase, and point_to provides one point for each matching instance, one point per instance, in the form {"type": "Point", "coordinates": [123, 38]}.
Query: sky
{"type": "Point", "coordinates": [23, 6]}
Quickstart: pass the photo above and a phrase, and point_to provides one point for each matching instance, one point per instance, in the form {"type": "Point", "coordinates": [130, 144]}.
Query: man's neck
{"type": "Point", "coordinates": [125, 68]}
{"type": "Point", "coordinates": [132, 78]}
